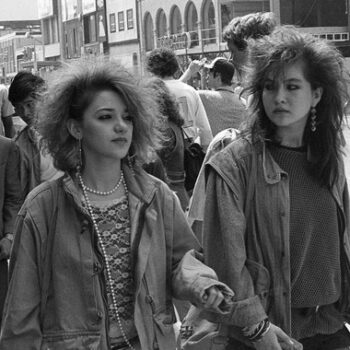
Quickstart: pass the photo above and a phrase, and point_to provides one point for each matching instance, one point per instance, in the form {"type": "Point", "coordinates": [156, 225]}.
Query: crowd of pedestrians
{"type": "Point", "coordinates": [103, 247]}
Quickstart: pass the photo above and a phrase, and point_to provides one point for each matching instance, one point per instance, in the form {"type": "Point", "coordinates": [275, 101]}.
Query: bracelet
{"type": "Point", "coordinates": [256, 334]}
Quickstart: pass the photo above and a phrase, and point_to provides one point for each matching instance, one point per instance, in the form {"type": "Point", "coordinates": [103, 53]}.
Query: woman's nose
{"type": "Point", "coordinates": [280, 95]}
{"type": "Point", "coordinates": [120, 125]}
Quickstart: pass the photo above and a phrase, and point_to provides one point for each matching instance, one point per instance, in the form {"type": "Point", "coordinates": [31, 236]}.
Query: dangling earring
{"type": "Point", "coordinates": [130, 163]}
{"type": "Point", "coordinates": [80, 156]}
{"type": "Point", "coordinates": [313, 117]}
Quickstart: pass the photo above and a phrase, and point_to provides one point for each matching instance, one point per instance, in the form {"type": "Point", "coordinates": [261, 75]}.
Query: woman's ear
{"type": "Point", "coordinates": [317, 95]}
{"type": "Point", "coordinates": [74, 129]}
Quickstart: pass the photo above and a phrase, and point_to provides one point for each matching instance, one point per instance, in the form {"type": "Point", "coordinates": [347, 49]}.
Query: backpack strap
{"type": "Point", "coordinates": [47, 259]}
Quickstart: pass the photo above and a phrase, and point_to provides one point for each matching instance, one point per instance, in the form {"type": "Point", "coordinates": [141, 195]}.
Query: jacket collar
{"type": "Point", "coordinates": [139, 184]}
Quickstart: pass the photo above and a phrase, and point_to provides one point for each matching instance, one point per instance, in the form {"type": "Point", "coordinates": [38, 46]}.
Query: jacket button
{"type": "Point", "coordinates": [96, 268]}
{"type": "Point", "coordinates": [100, 314]}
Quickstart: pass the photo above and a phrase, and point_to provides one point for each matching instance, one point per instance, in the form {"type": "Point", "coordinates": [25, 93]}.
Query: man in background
{"type": "Point", "coordinates": [224, 107]}
{"type": "Point", "coordinates": [36, 166]}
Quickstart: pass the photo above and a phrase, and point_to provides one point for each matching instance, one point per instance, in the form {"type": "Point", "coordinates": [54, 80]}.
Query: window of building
{"type": "Point", "coordinates": [130, 19]}
{"type": "Point", "coordinates": [112, 26]}
{"type": "Point", "coordinates": [175, 21]}
{"type": "Point", "coordinates": [90, 29]}
{"type": "Point", "coordinates": [161, 24]}
{"type": "Point", "coordinates": [121, 23]}
{"type": "Point", "coordinates": [325, 13]}
{"type": "Point", "coordinates": [148, 28]}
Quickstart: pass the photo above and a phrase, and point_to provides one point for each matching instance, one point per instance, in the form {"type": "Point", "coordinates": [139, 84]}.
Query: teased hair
{"type": "Point", "coordinates": [324, 68]}
{"type": "Point", "coordinates": [251, 26]}
{"type": "Point", "coordinates": [167, 102]}
{"type": "Point", "coordinates": [71, 94]}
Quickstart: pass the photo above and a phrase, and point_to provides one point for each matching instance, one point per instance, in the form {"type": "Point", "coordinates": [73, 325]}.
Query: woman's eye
{"type": "Point", "coordinates": [104, 116]}
{"type": "Point", "coordinates": [128, 117]}
{"type": "Point", "coordinates": [268, 87]}
{"type": "Point", "coordinates": [292, 87]}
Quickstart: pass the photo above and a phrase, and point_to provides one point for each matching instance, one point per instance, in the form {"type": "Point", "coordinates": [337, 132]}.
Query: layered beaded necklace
{"type": "Point", "coordinates": [103, 248]}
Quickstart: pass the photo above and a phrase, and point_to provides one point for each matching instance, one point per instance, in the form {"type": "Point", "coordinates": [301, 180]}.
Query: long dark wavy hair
{"type": "Point", "coordinates": [168, 106]}
{"type": "Point", "coordinates": [71, 93]}
{"type": "Point", "coordinates": [323, 67]}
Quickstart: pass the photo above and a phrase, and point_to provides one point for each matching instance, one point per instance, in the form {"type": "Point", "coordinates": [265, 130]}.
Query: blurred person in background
{"type": "Point", "coordinates": [162, 62]}
{"type": "Point", "coordinates": [172, 151]}
{"type": "Point", "coordinates": [25, 92]}
{"type": "Point", "coordinates": [240, 31]}
{"type": "Point", "coordinates": [239, 34]}
{"type": "Point", "coordinates": [222, 104]}
{"type": "Point", "coordinates": [6, 112]}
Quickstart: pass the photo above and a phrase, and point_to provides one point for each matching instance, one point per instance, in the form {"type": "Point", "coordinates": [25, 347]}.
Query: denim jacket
{"type": "Point", "coordinates": [76, 314]}
{"type": "Point", "coordinates": [247, 244]}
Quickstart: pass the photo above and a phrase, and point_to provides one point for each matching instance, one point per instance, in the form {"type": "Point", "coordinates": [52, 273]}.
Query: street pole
{"type": "Point", "coordinates": [35, 65]}
{"type": "Point", "coordinates": [140, 33]}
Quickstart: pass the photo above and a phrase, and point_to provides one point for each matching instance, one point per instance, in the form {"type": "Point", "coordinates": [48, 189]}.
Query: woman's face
{"type": "Point", "coordinates": [288, 98]}
{"type": "Point", "coordinates": [106, 127]}
{"type": "Point", "coordinates": [238, 57]}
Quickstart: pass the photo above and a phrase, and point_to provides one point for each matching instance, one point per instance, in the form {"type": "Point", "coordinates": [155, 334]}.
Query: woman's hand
{"type": "Point", "coordinates": [212, 299]}
{"type": "Point", "coordinates": [276, 339]}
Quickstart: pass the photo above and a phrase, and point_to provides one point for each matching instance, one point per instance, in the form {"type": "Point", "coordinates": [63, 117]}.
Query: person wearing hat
{"type": "Point", "coordinates": [223, 106]}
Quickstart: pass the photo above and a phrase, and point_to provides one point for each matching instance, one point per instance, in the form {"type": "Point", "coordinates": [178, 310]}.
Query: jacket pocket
{"type": "Point", "coordinates": [75, 341]}
{"type": "Point", "coordinates": [164, 322]}
{"type": "Point", "coordinates": [262, 282]}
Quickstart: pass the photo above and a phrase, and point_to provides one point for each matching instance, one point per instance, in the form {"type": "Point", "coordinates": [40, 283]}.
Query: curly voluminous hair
{"type": "Point", "coordinates": [71, 94]}
{"type": "Point", "coordinates": [323, 68]}
{"type": "Point", "coordinates": [251, 26]}
{"type": "Point", "coordinates": [162, 62]}
{"type": "Point", "coordinates": [167, 102]}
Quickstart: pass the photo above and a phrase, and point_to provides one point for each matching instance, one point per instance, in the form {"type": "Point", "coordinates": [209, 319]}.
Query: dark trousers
{"type": "Point", "coordinates": [3, 284]}
{"type": "Point", "coordinates": [337, 341]}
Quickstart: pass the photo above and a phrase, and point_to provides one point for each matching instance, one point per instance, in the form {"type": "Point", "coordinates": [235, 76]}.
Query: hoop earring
{"type": "Point", "coordinates": [313, 118]}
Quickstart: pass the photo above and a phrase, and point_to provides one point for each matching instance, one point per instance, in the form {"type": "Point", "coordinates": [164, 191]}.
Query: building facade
{"type": "Point", "coordinates": [123, 33]}
{"type": "Point", "coordinates": [127, 30]}
{"type": "Point", "coordinates": [194, 28]}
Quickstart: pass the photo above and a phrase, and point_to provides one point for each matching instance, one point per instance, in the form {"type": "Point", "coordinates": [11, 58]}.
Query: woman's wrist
{"type": "Point", "coordinates": [256, 332]}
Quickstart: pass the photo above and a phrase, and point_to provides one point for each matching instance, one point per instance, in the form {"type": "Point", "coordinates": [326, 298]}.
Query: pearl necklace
{"type": "Point", "coordinates": [104, 193]}
{"type": "Point", "coordinates": [103, 248]}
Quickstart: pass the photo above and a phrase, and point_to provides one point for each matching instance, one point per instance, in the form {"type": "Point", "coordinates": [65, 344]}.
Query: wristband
{"type": "Point", "coordinates": [256, 334]}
